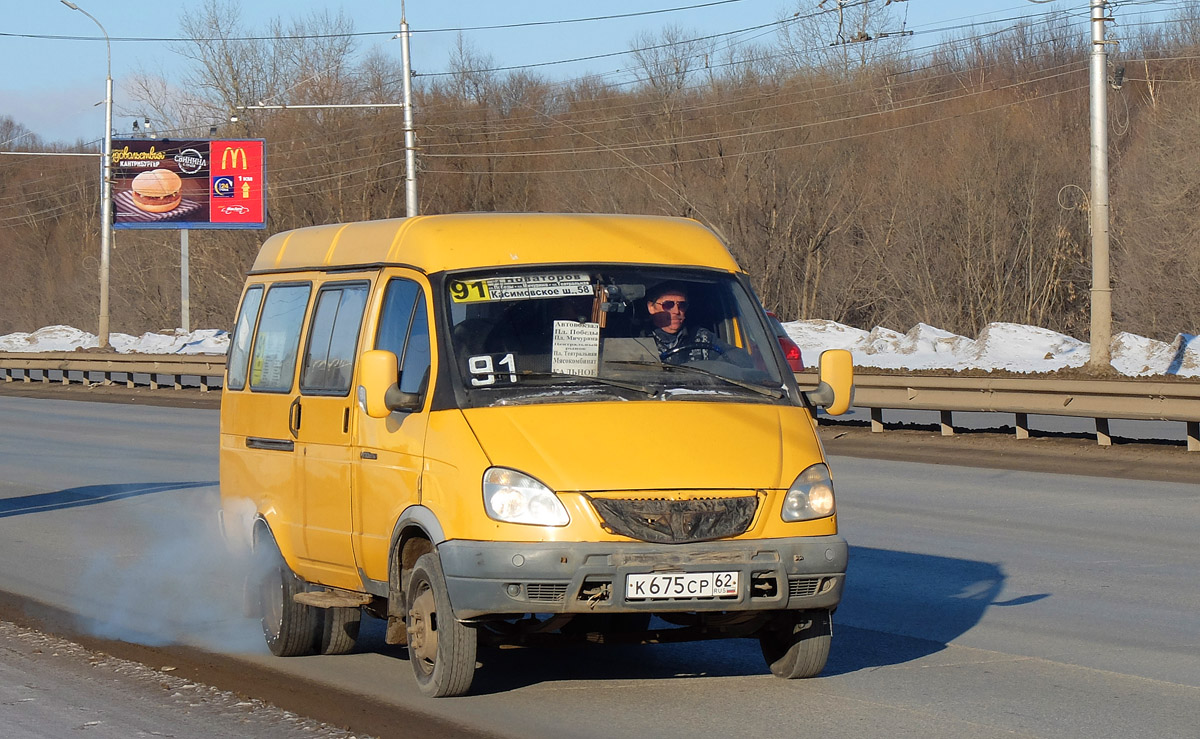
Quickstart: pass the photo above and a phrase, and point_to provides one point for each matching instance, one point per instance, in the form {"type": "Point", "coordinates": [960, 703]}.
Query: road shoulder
{"type": "Point", "coordinates": [1050, 453]}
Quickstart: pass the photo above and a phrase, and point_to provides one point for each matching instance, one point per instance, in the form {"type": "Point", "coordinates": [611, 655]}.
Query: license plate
{"type": "Point", "coordinates": [674, 585]}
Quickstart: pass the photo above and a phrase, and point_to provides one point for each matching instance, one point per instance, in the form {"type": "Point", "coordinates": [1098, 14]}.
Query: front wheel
{"type": "Point", "coordinates": [795, 644]}
{"type": "Point", "coordinates": [440, 648]}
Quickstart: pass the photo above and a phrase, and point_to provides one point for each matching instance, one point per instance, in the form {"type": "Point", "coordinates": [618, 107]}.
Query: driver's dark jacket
{"type": "Point", "coordinates": [665, 342]}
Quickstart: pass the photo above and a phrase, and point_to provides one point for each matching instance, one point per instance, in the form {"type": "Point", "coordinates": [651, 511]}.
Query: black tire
{"type": "Point", "coordinates": [291, 629]}
{"type": "Point", "coordinates": [795, 644]}
{"type": "Point", "coordinates": [440, 648]}
{"type": "Point", "coordinates": [339, 630]}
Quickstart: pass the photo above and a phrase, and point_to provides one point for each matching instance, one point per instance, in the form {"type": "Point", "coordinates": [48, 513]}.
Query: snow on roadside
{"type": "Point", "coordinates": [205, 341]}
{"type": "Point", "coordinates": [68, 339]}
{"type": "Point", "coordinates": [48, 339]}
{"type": "Point", "coordinates": [1138, 356]}
{"type": "Point", "coordinates": [1018, 348]}
{"type": "Point", "coordinates": [1007, 346]}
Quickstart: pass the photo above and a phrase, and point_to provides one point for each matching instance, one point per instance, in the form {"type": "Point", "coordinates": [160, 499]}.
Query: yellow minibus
{"type": "Point", "coordinates": [498, 428]}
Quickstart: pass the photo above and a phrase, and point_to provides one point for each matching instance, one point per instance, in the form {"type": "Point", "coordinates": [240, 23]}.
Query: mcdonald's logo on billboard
{"type": "Point", "coordinates": [231, 156]}
{"type": "Point", "coordinates": [238, 184]}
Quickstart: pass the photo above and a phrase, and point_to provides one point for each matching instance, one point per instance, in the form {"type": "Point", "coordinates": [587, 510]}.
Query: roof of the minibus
{"type": "Point", "coordinates": [460, 241]}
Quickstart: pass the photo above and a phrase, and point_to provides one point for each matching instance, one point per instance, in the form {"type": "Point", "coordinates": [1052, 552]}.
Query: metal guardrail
{"type": "Point", "coordinates": [111, 368]}
{"type": "Point", "coordinates": [1101, 400]}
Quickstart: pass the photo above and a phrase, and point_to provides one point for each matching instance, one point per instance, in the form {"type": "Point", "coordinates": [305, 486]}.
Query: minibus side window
{"type": "Point", "coordinates": [277, 341]}
{"type": "Point", "coordinates": [239, 347]}
{"type": "Point", "coordinates": [416, 354]}
{"type": "Point", "coordinates": [332, 339]}
{"type": "Point", "coordinates": [404, 331]}
{"type": "Point", "coordinates": [396, 316]}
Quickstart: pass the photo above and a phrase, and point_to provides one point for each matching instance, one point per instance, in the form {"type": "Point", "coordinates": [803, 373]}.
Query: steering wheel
{"type": "Point", "coordinates": [663, 356]}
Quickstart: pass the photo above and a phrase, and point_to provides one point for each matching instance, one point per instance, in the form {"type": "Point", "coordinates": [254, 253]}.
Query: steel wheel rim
{"type": "Point", "coordinates": [422, 633]}
{"type": "Point", "coordinates": [271, 598]}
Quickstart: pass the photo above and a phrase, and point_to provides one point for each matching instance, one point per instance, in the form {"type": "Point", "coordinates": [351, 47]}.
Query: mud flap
{"type": "Point", "coordinates": [397, 632]}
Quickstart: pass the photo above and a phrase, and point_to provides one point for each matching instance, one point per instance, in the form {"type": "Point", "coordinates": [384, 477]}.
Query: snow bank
{"type": "Point", "coordinates": [67, 339]}
{"type": "Point", "coordinates": [1018, 348]}
{"type": "Point", "coordinates": [1007, 346]}
{"type": "Point", "coordinates": [1137, 356]}
{"type": "Point", "coordinates": [48, 339]}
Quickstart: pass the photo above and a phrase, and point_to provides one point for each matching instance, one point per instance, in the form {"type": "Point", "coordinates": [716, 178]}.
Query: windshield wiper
{"type": "Point", "coordinates": [707, 373]}
{"type": "Point", "coordinates": [635, 387]}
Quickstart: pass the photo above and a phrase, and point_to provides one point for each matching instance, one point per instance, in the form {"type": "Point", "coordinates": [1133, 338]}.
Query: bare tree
{"type": "Point", "coordinates": [840, 37]}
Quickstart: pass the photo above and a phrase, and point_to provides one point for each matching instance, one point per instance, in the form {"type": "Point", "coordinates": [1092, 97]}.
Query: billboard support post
{"type": "Point", "coordinates": [184, 287]}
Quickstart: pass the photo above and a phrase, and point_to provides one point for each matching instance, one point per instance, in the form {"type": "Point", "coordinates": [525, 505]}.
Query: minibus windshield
{"type": "Point", "coordinates": [604, 332]}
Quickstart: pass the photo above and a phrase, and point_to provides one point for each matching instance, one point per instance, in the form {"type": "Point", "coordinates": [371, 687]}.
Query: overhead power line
{"type": "Point", "coordinates": [374, 165]}
{"type": "Point", "coordinates": [354, 34]}
{"type": "Point", "coordinates": [794, 18]}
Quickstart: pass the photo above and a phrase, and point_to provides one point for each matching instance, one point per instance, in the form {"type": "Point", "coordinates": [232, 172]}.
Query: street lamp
{"type": "Point", "coordinates": [105, 184]}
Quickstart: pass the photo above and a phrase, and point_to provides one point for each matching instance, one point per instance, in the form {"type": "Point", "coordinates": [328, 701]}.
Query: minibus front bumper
{"type": "Point", "coordinates": [494, 578]}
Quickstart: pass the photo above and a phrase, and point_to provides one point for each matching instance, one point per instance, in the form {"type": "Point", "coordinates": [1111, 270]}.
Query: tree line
{"type": "Point", "coordinates": [854, 178]}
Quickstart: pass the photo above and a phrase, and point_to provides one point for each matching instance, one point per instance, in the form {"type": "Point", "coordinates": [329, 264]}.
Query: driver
{"type": "Point", "coordinates": [668, 305]}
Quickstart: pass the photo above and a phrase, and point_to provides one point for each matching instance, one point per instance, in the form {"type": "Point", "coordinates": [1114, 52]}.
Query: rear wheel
{"type": "Point", "coordinates": [291, 629]}
{"type": "Point", "coordinates": [795, 644]}
{"type": "Point", "coordinates": [339, 630]}
{"type": "Point", "coordinates": [440, 648]}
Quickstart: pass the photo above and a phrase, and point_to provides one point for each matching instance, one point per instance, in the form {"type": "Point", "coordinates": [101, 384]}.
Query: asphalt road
{"type": "Point", "coordinates": [980, 601]}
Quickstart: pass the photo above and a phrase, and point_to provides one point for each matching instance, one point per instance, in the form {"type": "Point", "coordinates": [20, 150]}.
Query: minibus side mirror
{"type": "Point", "coordinates": [378, 393]}
{"type": "Point", "coordinates": [835, 393]}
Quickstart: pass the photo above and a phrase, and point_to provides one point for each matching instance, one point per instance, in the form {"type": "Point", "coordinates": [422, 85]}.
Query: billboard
{"type": "Point", "coordinates": [185, 184]}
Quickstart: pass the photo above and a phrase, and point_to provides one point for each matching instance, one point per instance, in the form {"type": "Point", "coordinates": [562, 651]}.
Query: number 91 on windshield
{"type": "Point", "coordinates": [661, 586]}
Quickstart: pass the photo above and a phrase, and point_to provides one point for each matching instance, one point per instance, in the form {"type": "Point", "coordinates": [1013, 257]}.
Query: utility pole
{"type": "Point", "coordinates": [411, 203]}
{"type": "Point", "coordinates": [105, 185]}
{"type": "Point", "coordinates": [412, 207]}
{"type": "Point", "coordinates": [1100, 336]}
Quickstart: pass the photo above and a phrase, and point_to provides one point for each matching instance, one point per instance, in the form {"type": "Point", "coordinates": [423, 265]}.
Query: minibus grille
{"type": "Point", "coordinates": [803, 587]}
{"type": "Point", "coordinates": [546, 592]}
{"type": "Point", "coordinates": [676, 521]}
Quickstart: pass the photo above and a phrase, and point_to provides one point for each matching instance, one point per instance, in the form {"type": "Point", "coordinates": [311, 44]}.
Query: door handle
{"type": "Point", "coordinates": [294, 418]}
{"type": "Point", "coordinates": [368, 455]}
{"type": "Point", "coordinates": [275, 445]}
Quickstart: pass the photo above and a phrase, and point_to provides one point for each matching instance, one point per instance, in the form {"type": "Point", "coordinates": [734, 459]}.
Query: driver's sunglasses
{"type": "Point", "coordinates": [670, 304]}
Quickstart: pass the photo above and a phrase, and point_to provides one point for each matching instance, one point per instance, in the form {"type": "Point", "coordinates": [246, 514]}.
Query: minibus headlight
{"type": "Point", "coordinates": [513, 497]}
{"type": "Point", "coordinates": [810, 496]}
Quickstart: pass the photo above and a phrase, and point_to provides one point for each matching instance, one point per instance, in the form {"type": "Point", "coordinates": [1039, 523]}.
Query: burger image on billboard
{"type": "Point", "coordinates": [156, 191]}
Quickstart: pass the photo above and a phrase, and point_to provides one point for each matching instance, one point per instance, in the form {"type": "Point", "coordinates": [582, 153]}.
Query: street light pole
{"type": "Point", "coordinates": [105, 184]}
{"type": "Point", "coordinates": [1100, 336]}
{"type": "Point", "coordinates": [412, 206]}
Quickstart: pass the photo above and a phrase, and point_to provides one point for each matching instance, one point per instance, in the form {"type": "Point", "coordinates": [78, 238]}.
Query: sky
{"type": "Point", "coordinates": [55, 86]}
